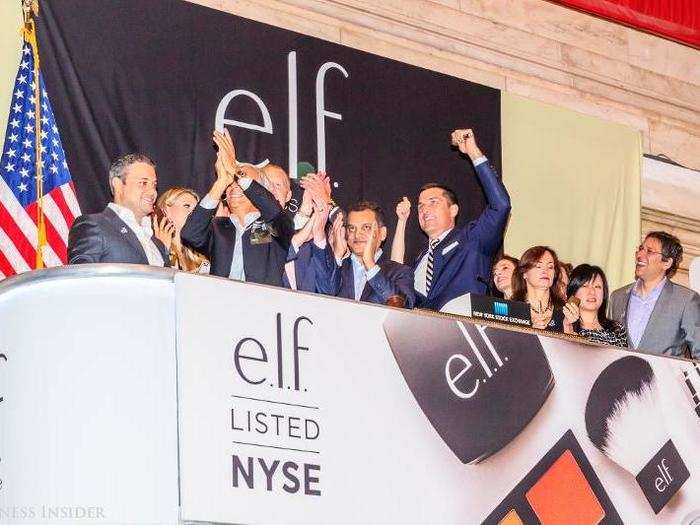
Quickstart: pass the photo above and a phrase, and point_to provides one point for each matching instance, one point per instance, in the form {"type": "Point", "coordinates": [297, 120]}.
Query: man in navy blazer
{"type": "Point", "coordinates": [458, 260]}
{"type": "Point", "coordinates": [366, 275]}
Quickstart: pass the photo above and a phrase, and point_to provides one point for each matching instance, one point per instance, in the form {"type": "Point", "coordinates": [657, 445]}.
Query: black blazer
{"type": "Point", "coordinates": [215, 237]}
{"type": "Point", "coordinates": [104, 238]}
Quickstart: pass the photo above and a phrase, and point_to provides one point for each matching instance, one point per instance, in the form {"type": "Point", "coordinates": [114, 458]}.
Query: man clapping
{"type": "Point", "coordinates": [252, 243]}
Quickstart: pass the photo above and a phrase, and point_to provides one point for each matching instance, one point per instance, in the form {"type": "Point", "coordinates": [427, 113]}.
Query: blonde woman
{"type": "Point", "coordinates": [176, 205]}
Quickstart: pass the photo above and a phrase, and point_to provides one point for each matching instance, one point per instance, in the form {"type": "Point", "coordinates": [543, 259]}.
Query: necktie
{"type": "Point", "coordinates": [429, 270]}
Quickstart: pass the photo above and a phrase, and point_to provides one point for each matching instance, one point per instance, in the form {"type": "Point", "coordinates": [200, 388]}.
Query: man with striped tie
{"type": "Point", "coordinates": [458, 260]}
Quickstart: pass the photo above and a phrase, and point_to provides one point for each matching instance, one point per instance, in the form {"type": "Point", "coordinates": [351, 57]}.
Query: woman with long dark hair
{"type": "Point", "coordinates": [589, 285]}
{"type": "Point", "coordinates": [535, 282]}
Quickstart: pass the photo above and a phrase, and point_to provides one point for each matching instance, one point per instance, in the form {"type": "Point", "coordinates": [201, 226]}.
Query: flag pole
{"type": "Point", "coordinates": [30, 9]}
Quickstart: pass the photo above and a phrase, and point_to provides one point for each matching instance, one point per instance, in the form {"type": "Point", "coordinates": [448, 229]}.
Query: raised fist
{"type": "Point", "coordinates": [465, 140]}
{"type": "Point", "coordinates": [403, 209]}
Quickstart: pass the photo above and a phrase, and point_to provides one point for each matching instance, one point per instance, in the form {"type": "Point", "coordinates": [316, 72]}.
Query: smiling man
{"type": "Point", "coordinates": [251, 243]}
{"type": "Point", "coordinates": [457, 261]}
{"type": "Point", "coordinates": [123, 232]}
{"type": "Point", "coordinates": [367, 275]}
{"type": "Point", "coordinates": [660, 316]}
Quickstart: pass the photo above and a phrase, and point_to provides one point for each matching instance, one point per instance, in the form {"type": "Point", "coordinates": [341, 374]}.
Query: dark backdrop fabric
{"type": "Point", "coordinates": [128, 75]}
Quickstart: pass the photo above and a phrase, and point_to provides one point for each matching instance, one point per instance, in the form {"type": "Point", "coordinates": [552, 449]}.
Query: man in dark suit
{"type": "Point", "coordinates": [458, 260]}
{"type": "Point", "coordinates": [251, 244]}
{"type": "Point", "coordinates": [660, 316]}
{"type": "Point", "coordinates": [122, 232]}
{"type": "Point", "coordinates": [366, 275]}
{"type": "Point", "coordinates": [299, 271]}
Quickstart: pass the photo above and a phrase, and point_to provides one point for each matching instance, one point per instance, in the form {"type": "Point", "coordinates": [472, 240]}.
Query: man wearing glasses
{"type": "Point", "coordinates": [661, 316]}
{"type": "Point", "coordinates": [366, 275]}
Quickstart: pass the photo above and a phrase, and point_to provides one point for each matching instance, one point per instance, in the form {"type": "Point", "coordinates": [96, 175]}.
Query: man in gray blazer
{"type": "Point", "coordinates": [660, 316]}
{"type": "Point", "coordinates": [122, 232]}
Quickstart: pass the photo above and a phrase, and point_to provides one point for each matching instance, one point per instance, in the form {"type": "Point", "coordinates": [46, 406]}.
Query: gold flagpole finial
{"type": "Point", "coordinates": [30, 9]}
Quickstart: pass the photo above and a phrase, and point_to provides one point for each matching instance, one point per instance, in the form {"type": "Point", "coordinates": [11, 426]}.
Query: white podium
{"type": "Point", "coordinates": [134, 395]}
{"type": "Point", "coordinates": [88, 423]}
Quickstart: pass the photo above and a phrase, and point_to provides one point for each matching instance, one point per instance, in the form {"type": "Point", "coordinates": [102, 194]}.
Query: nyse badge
{"type": "Point", "coordinates": [479, 386]}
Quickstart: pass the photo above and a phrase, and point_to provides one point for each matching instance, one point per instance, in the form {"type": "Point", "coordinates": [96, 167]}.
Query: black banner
{"type": "Point", "coordinates": [128, 75]}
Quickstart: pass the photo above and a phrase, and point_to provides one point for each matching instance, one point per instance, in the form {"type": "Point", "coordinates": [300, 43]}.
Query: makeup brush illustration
{"type": "Point", "coordinates": [691, 391]}
{"type": "Point", "coordinates": [624, 422]}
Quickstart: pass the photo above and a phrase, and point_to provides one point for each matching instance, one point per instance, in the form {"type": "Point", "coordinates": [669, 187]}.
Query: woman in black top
{"type": "Point", "coordinates": [535, 282]}
{"type": "Point", "coordinates": [589, 285]}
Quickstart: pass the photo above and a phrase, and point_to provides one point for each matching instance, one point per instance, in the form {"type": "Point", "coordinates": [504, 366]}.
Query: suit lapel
{"type": "Point", "coordinates": [662, 304]}
{"type": "Point", "coordinates": [347, 279]}
{"type": "Point", "coordinates": [367, 290]}
{"type": "Point", "coordinates": [418, 259]}
{"type": "Point", "coordinates": [228, 235]}
{"type": "Point", "coordinates": [125, 232]}
{"type": "Point", "coordinates": [162, 249]}
{"type": "Point", "coordinates": [440, 261]}
{"type": "Point", "coordinates": [626, 302]}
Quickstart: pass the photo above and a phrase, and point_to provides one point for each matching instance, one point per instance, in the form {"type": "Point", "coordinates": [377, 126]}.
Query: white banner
{"type": "Point", "coordinates": [297, 408]}
{"type": "Point", "coordinates": [302, 409]}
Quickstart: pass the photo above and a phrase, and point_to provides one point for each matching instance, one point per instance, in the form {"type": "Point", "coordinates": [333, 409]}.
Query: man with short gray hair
{"type": "Point", "coordinates": [122, 232]}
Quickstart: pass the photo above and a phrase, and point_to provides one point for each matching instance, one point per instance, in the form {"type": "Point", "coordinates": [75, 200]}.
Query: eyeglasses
{"type": "Point", "coordinates": [642, 248]}
{"type": "Point", "coordinates": [364, 228]}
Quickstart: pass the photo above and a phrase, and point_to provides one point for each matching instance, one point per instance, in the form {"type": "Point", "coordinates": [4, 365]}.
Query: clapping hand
{"type": "Point", "coordinates": [304, 234]}
{"type": "Point", "coordinates": [370, 247]}
{"type": "Point", "coordinates": [320, 218]}
{"type": "Point", "coordinates": [318, 186]}
{"type": "Point", "coordinates": [572, 313]}
{"type": "Point", "coordinates": [337, 238]}
{"type": "Point", "coordinates": [224, 178]}
{"type": "Point", "coordinates": [227, 151]}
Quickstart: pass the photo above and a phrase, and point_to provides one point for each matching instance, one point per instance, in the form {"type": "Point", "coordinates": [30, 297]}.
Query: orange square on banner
{"type": "Point", "coordinates": [563, 496]}
{"type": "Point", "coordinates": [511, 518]}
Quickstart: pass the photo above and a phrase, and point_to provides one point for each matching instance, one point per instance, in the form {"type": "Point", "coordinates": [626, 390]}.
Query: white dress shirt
{"type": "Point", "coordinates": [143, 231]}
{"type": "Point", "coordinates": [639, 310]}
{"type": "Point", "coordinates": [237, 270]}
{"type": "Point", "coordinates": [361, 275]}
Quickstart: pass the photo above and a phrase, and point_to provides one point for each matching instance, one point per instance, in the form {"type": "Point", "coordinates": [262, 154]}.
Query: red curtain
{"type": "Point", "coordinates": [673, 19]}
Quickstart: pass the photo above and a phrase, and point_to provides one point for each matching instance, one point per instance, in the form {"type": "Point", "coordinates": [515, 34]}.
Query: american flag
{"type": "Point", "coordinates": [19, 217]}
